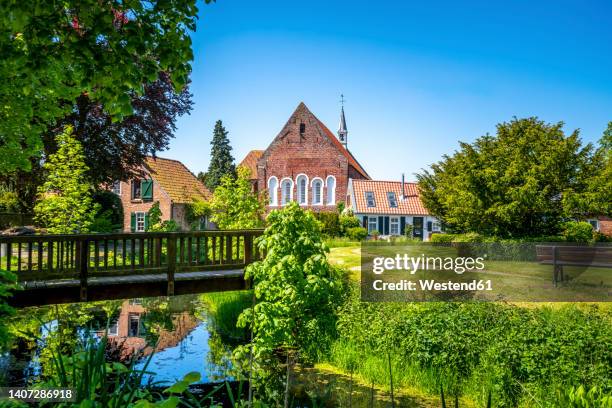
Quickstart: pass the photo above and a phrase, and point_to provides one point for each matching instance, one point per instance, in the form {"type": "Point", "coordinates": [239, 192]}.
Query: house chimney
{"type": "Point", "coordinates": [403, 188]}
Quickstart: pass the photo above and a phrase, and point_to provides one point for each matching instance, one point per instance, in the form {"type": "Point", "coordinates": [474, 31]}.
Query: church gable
{"type": "Point", "coordinates": [304, 135]}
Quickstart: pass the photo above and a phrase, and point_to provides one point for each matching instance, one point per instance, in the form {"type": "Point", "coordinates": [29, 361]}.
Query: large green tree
{"type": "Point", "coordinates": [511, 184]}
{"type": "Point", "coordinates": [234, 205]}
{"type": "Point", "coordinates": [595, 195]}
{"type": "Point", "coordinates": [66, 204]}
{"type": "Point", "coordinates": [221, 160]}
{"type": "Point", "coordinates": [55, 51]}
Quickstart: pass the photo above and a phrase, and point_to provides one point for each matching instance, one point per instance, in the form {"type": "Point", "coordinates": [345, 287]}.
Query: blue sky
{"type": "Point", "coordinates": [417, 76]}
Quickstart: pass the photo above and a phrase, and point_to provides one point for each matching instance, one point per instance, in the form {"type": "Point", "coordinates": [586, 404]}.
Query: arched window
{"type": "Point", "coordinates": [273, 190]}
{"type": "Point", "coordinates": [330, 183]}
{"type": "Point", "coordinates": [317, 191]}
{"type": "Point", "coordinates": [302, 189]}
{"type": "Point", "coordinates": [286, 191]}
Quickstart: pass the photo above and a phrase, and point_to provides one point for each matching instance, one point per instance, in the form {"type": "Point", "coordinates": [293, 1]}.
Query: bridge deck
{"type": "Point", "coordinates": [37, 293]}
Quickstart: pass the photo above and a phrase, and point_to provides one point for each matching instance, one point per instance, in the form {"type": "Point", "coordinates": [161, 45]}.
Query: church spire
{"type": "Point", "coordinates": [342, 130]}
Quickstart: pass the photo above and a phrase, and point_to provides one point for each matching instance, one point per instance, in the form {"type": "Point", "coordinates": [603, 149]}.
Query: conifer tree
{"type": "Point", "coordinates": [66, 204]}
{"type": "Point", "coordinates": [221, 160]}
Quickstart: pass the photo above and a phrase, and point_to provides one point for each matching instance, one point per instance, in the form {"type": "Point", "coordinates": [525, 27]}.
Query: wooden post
{"type": "Point", "coordinates": [248, 256]}
{"type": "Point", "coordinates": [171, 264]}
{"type": "Point", "coordinates": [83, 265]}
{"type": "Point", "coordinates": [554, 260]}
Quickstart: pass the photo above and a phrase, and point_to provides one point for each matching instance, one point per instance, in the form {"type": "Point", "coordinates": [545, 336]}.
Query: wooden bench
{"type": "Point", "coordinates": [573, 255]}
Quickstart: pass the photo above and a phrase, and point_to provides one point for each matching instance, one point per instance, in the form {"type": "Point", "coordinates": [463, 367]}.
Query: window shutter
{"type": "Point", "coordinates": [386, 226]}
{"type": "Point", "coordinates": [147, 189]}
{"type": "Point", "coordinates": [365, 221]}
{"type": "Point", "coordinates": [146, 221]}
{"type": "Point", "coordinates": [381, 225]}
{"type": "Point", "coordinates": [429, 226]}
{"type": "Point", "coordinates": [402, 225]}
{"type": "Point", "coordinates": [133, 221]}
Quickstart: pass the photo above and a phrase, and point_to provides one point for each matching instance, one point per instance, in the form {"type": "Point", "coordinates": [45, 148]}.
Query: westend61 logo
{"type": "Point", "coordinates": [412, 264]}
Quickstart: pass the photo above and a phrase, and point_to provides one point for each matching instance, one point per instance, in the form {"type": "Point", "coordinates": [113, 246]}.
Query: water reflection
{"type": "Point", "coordinates": [179, 331]}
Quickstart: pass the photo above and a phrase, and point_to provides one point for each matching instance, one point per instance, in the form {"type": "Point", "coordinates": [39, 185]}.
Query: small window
{"type": "Point", "coordinates": [369, 196]}
{"type": "Point", "coordinates": [394, 226]}
{"type": "Point", "coordinates": [134, 325]}
{"type": "Point", "coordinates": [286, 191]}
{"type": "Point", "coordinates": [116, 188]}
{"type": "Point", "coordinates": [302, 190]}
{"type": "Point", "coordinates": [136, 189]}
{"type": "Point", "coordinates": [372, 224]}
{"type": "Point", "coordinates": [330, 181]}
{"type": "Point", "coordinates": [317, 192]}
{"type": "Point", "coordinates": [392, 199]}
{"type": "Point", "coordinates": [302, 128]}
{"type": "Point", "coordinates": [113, 328]}
{"type": "Point", "coordinates": [140, 222]}
{"type": "Point", "coordinates": [437, 227]}
{"type": "Point", "coordinates": [594, 224]}
{"type": "Point", "coordinates": [273, 190]}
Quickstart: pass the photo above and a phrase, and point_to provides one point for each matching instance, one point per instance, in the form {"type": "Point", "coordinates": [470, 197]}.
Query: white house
{"type": "Point", "coordinates": [389, 206]}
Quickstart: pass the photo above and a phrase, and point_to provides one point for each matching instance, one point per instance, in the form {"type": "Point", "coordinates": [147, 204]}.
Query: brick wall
{"type": "Point", "coordinates": [129, 205]}
{"type": "Point", "coordinates": [309, 152]}
{"type": "Point", "coordinates": [605, 226]}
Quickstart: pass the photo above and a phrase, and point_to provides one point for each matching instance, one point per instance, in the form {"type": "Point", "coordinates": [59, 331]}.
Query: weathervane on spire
{"type": "Point", "coordinates": [342, 130]}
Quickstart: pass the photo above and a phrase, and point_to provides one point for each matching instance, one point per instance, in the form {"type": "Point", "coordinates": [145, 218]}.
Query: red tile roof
{"type": "Point", "coordinates": [410, 205]}
{"type": "Point", "coordinates": [250, 162]}
{"type": "Point", "coordinates": [176, 180]}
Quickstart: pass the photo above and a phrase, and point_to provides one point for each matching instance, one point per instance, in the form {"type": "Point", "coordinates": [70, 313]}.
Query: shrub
{"type": "Point", "coordinates": [348, 221]}
{"type": "Point", "coordinates": [330, 223]}
{"type": "Point", "coordinates": [110, 207]}
{"type": "Point", "coordinates": [577, 231]}
{"type": "Point", "coordinates": [103, 223]}
{"type": "Point", "coordinates": [9, 201]}
{"type": "Point", "coordinates": [357, 233]}
{"type": "Point", "coordinates": [442, 238]}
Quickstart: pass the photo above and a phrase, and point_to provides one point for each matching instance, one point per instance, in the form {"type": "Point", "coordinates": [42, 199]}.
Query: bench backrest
{"type": "Point", "coordinates": [575, 254]}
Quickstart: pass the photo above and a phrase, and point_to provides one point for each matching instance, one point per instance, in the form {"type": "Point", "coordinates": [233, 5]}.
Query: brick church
{"type": "Point", "coordinates": [306, 163]}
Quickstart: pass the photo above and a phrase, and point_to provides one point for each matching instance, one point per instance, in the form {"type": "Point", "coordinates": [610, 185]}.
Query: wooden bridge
{"type": "Point", "coordinates": [86, 267]}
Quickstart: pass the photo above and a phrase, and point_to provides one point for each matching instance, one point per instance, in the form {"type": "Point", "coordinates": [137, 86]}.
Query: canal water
{"type": "Point", "coordinates": [173, 336]}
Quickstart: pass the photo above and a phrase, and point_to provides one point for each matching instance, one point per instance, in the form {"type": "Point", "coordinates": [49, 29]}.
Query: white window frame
{"type": "Point", "coordinates": [273, 192]}
{"type": "Point", "coordinates": [372, 226]}
{"type": "Point", "coordinates": [113, 328]}
{"type": "Point", "coordinates": [436, 226]}
{"type": "Point", "coordinates": [594, 223]}
{"type": "Point", "coordinates": [286, 200]}
{"type": "Point", "coordinates": [116, 188]}
{"type": "Point", "coordinates": [331, 201]}
{"type": "Point", "coordinates": [137, 226]}
{"type": "Point", "coordinates": [298, 179]}
{"type": "Point", "coordinates": [314, 191]}
{"type": "Point", "coordinates": [394, 222]}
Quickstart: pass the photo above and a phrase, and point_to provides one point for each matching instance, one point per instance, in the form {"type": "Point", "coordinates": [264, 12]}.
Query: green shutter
{"type": "Point", "coordinates": [146, 221]}
{"type": "Point", "coordinates": [365, 221]}
{"type": "Point", "coordinates": [133, 221]}
{"type": "Point", "coordinates": [146, 188]}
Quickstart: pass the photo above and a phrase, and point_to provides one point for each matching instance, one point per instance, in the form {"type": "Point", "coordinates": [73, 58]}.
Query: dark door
{"type": "Point", "coordinates": [417, 225]}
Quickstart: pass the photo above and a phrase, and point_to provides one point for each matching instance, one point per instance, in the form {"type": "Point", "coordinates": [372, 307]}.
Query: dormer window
{"type": "Point", "coordinates": [369, 196]}
{"type": "Point", "coordinates": [392, 199]}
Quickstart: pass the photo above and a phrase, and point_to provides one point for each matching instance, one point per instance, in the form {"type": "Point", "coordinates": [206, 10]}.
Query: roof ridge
{"type": "Point", "coordinates": [385, 181]}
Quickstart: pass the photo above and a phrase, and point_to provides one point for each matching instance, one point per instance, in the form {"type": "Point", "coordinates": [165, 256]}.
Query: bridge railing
{"type": "Point", "coordinates": [82, 256]}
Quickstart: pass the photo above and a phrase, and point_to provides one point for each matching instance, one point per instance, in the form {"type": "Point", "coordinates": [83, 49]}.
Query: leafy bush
{"type": "Point", "coordinates": [103, 223]}
{"type": "Point", "coordinates": [9, 201]}
{"type": "Point", "coordinates": [518, 353]}
{"type": "Point", "coordinates": [357, 233]}
{"type": "Point", "coordinates": [110, 207]}
{"type": "Point", "coordinates": [348, 221]}
{"type": "Point", "coordinates": [577, 231]}
{"type": "Point", "coordinates": [442, 238]}
{"type": "Point", "coordinates": [330, 223]}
